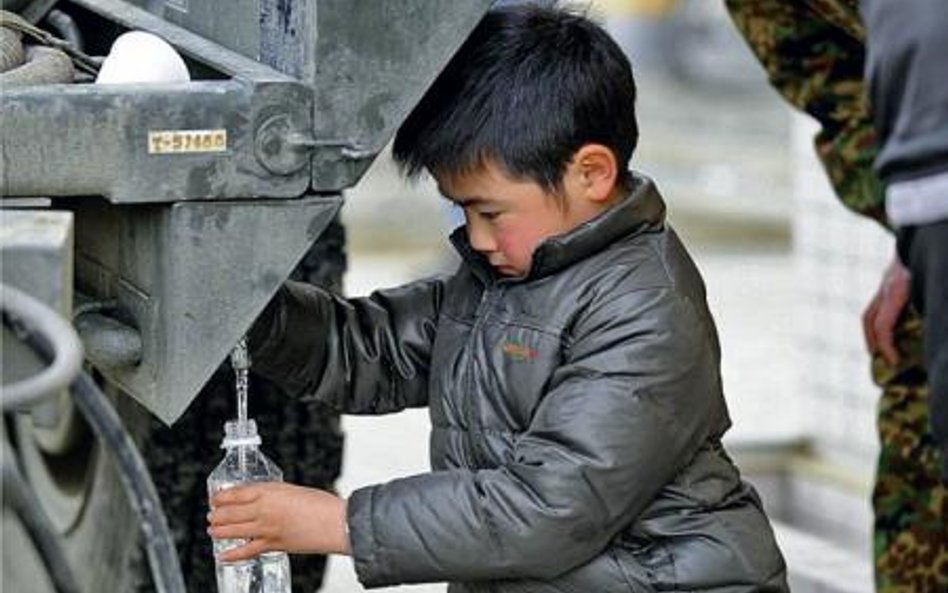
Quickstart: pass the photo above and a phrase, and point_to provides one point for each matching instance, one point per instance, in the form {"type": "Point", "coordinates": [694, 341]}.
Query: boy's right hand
{"type": "Point", "coordinates": [276, 516]}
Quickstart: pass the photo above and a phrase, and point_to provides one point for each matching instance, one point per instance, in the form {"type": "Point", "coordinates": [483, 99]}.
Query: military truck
{"type": "Point", "coordinates": [158, 219]}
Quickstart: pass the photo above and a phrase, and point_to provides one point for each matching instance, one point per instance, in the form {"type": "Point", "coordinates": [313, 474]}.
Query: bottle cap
{"type": "Point", "coordinates": [240, 433]}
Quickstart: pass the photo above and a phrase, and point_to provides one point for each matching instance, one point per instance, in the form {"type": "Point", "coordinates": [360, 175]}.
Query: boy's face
{"type": "Point", "coordinates": [508, 218]}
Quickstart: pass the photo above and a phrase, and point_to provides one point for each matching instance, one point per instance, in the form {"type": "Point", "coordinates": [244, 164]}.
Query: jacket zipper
{"type": "Point", "coordinates": [474, 427]}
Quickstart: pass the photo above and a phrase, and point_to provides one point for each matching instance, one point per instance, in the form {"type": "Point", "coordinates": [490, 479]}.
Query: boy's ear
{"type": "Point", "coordinates": [595, 170]}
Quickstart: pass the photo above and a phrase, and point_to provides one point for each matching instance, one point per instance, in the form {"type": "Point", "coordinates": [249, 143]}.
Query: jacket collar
{"type": "Point", "coordinates": [642, 210]}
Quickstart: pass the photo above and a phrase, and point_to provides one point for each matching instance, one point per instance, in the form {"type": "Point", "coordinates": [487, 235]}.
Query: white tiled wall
{"type": "Point", "coordinates": [839, 260]}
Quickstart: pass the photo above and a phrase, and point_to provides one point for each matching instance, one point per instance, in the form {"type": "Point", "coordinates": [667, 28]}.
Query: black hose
{"type": "Point", "coordinates": [26, 315]}
{"type": "Point", "coordinates": [106, 423]}
{"type": "Point", "coordinates": [66, 27]}
{"type": "Point", "coordinates": [86, 63]}
{"type": "Point", "coordinates": [17, 496]}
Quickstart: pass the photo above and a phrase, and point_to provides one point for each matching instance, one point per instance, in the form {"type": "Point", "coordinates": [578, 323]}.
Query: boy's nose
{"type": "Point", "coordinates": [479, 237]}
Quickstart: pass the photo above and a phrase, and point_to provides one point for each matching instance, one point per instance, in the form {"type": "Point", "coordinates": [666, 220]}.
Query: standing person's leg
{"type": "Point", "coordinates": [924, 249]}
{"type": "Point", "coordinates": [910, 504]}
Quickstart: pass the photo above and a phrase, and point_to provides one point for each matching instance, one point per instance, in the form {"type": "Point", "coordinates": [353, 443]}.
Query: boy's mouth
{"type": "Point", "coordinates": [505, 270]}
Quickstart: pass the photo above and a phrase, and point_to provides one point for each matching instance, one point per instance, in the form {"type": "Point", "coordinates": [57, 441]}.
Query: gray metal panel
{"type": "Point", "coordinates": [97, 135]}
{"type": "Point", "coordinates": [288, 35]}
{"type": "Point", "coordinates": [368, 61]}
{"type": "Point", "coordinates": [64, 140]}
{"type": "Point", "coordinates": [373, 62]}
{"type": "Point", "coordinates": [218, 56]}
{"type": "Point", "coordinates": [235, 27]}
{"type": "Point", "coordinates": [185, 250]}
{"type": "Point", "coordinates": [36, 257]}
{"type": "Point", "coordinates": [191, 277]}
{"type": "Point", "coordinates": [274, 32]}
{"type": "Point", "coordinates": [360, 66]}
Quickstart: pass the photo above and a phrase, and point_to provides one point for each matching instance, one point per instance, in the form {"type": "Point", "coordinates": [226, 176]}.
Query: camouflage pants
{"type": "Point", "coordinates": [910, 501]}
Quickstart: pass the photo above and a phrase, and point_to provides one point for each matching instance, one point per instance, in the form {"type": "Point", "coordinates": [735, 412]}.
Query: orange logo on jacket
{"type": "Point", "coordinates": [519, 351]}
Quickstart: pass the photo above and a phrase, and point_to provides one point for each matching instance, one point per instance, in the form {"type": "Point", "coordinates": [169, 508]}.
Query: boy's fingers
{"type": "Point", "coordinates": [246, 552]}
{"type": "Point", "coordinates": [232, 513]}
{"type": "Point", "coordinates": [236, 495]}
{"type": "Point", "coordinates": [235, 531]}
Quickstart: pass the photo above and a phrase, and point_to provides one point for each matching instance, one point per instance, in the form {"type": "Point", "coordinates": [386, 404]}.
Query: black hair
{"type": "Point", "coordinates": [528, 88]}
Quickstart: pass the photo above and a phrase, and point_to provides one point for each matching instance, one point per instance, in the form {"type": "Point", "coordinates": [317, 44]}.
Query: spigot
{"type": "Point", "coordinates": [240, 355]}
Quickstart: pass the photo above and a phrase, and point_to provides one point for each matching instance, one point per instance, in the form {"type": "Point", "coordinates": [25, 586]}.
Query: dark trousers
{"type": "Point", "coordinates": [924, 251]}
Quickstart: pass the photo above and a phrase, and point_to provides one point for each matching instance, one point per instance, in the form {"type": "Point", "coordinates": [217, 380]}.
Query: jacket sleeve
{"type": "Point", "coordinates": [626, 411]}
{"type": "Point", "coordinates": [815, 60]}
{"type": "Point", "coordinates": [361, 356]}
{"type": "Point", "coordinates": [908, 84]}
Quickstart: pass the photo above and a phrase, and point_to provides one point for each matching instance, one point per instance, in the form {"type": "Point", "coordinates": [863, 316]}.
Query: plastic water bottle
{"type": "Point", "coordinates": [243, 463]}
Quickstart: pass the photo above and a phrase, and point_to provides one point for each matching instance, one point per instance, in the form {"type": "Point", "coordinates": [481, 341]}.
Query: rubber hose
{"type": "Point", "coordinates": [26, 313]}
{"type": "Point", "coordinates": [66, 27]}
{"type": "Point", "coordinates": [25, 27]}
{"type": "Point", "coordinates": [118, 444]}
{"type": "Point", "coordinates": [44, 65]}
{"type": "Point", "coordinates": [11, 49]}
{"type": "Point", "coordinates": [18, 497]}
{"type": "Point", "coordinates": [139, 487]}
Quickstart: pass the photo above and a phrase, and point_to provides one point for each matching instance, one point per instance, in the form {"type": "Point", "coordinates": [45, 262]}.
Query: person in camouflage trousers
{"type": "Point", "coordinates": [813, 52]}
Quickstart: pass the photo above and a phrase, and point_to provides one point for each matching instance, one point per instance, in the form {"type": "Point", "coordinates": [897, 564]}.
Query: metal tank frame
{"type": "Point", "coordinates": [193, 201]}
{"type": "Point", "coordinates": [180, 209]}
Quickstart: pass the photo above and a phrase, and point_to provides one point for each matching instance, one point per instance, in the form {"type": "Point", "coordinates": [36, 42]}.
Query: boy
{"type": "Point", "coordinates": [570, 365]}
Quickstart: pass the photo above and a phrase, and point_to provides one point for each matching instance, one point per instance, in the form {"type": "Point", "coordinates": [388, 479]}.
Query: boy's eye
{"type": "Point", "coordinates": [491, 215]}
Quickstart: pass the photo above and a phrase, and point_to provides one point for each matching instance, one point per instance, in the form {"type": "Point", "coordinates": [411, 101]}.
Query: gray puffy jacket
{"type": "Point", "coordinates": [576, 418]}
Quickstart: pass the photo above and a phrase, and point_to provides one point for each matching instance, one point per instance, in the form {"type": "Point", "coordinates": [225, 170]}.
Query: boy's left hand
{"type": "Point", "coordinates": [277, 516]}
